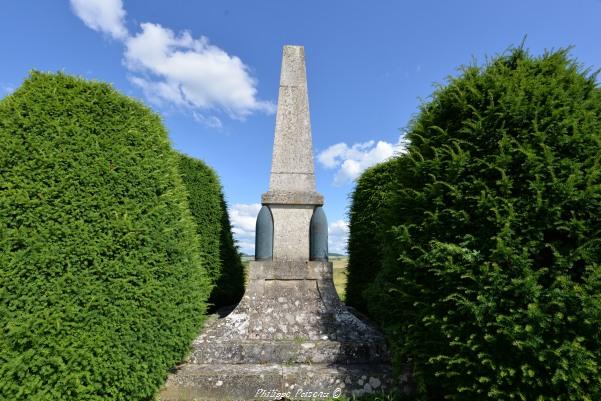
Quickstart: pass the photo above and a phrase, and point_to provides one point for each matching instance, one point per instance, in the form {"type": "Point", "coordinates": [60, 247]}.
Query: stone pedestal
{"type": "Point", "coordinates": [289, 336]}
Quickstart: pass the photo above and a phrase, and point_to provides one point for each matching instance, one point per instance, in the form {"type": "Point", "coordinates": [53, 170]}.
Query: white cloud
{"type": "Point", "coordinates": [243, 218]}
{"type": "Point", "coordinates": [176, 69]}
{"type": "Point", "coordinates": [338, 236]}
{"type": "Point", "coordinates": [209, 121]}
{"type": "Point", "coordinates": [106, 16]}
{"type": "Point", "coordinates": [191, 72]}
{"type": "Point", "coordinates": [351, 161]}
{"type": "Point", "coordinates": [329, 157]}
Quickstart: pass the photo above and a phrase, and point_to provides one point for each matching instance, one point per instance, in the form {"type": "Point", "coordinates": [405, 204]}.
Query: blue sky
{"type": "Point", "coordinates": [211, 69]}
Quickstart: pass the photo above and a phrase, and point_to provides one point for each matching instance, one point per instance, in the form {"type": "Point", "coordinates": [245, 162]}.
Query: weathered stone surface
{"type": "Point", "coordinates": [292, 162]}
{"type": "Point", "coordinates": [293, 301]}
{"type": "Point", "coordinates": [292, 198]}
{"type": "Point", "coordinates": [299, 350]}
{"type": "Point", "coordinates": [290, 318]}
{"type": "Point", "coordinates": [220, 382]}
{"type": "Point", "coordinates": [293, 270]}
{"type": "Point", "coordinates": [272, 382]}
{"type": "Point", "coordinates": [291, 231]}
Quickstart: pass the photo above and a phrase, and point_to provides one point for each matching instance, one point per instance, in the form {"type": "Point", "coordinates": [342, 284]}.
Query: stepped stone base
{"type": "Point", "coordinates": [290, 337]}
{"type": "Point", "coordinates": [274, 381]}
{"type": "Point", "coordinates": [246, 381]}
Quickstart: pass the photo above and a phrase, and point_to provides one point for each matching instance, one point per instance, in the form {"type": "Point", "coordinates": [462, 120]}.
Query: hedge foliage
{"type": "Point", "coordinates": [491, 271]}
{"type": "Point", "coordinates": [366, 220]}
{"type": "Point", "coordinates": [102, 287]}
{"type": "Point", "coordinates": [209, 209]}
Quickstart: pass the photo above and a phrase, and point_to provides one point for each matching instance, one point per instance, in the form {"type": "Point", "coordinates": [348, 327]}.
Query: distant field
{"type": "Point", "coordinates": [340, 263]}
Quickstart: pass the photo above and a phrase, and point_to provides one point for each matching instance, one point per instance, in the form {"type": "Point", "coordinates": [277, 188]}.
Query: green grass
{"type": "Point", "coordinates": [340, 264]}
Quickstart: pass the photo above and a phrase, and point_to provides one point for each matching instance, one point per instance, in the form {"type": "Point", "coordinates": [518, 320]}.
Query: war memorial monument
{"type": "Point", "coordinates": [290, 336]}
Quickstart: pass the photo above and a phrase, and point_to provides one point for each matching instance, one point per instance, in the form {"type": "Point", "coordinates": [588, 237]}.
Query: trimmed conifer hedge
{"type": "Point", "coordinates": [367, 224]}
{"type": "Point", "coordinates": [491, 271]}
{"type": "Point", "coordinates": [229, 287]}
{"type": "Point", "coordinates": [207, 204]}
{"type": "Point", "coordinates": [102, 288]}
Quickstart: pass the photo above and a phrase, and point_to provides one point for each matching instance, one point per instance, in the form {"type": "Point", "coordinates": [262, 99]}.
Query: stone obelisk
{"type": "Point", "coordinates": [290, 336]}
{"type": "Point", "coordinates": [292, 197]}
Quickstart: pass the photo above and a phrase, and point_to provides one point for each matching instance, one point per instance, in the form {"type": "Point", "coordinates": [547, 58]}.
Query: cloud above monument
{"type": "Point", "coordinates": [350, 161]}
{"type": "Point", "coordinates": [176, 69]}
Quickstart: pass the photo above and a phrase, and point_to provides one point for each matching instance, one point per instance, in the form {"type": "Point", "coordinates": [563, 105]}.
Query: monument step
{"type": "Point", "coordinates": [289, 351]}
{"type": "Point", "coordinates": [274, 381]}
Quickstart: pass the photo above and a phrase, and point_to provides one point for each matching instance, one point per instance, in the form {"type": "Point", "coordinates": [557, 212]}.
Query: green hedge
{"type": "Point", "coordinates": [491, 273]}
{"type": "Point", "coordinates": [102, 288]}
{"type": "Point", "coordinates": [367, 225]}
{"type": "Point", "coordinates": [214, 230]}
{"type": "Point", "coordinates": [229, 288]}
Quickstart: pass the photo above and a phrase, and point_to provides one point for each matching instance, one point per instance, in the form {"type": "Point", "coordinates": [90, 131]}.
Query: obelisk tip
{"type": "Point", "coordinates": [293, 66]}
